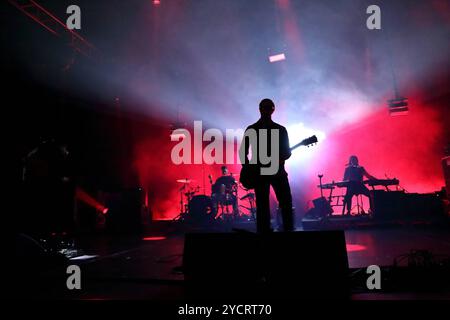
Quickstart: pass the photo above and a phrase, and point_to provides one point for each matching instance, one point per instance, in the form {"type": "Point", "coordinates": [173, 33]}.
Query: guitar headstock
{"type": "Point", "coordinates": [309, 141]}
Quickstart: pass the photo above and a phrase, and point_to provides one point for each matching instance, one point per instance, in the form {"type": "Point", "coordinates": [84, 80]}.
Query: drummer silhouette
{"type": "Point", "coordinates": [223, 192]}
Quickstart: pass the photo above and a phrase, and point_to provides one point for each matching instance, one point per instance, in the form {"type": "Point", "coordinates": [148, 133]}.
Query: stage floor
{"type": "Point", "coordinates": [146, 267]}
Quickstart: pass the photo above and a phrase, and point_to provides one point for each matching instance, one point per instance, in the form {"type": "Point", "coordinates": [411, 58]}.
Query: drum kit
{"type": "Point", "coordinates": [220, 205]}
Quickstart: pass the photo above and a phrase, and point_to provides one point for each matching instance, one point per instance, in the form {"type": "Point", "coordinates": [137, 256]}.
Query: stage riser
{"type": "Point", "coordinates": [282, 265]}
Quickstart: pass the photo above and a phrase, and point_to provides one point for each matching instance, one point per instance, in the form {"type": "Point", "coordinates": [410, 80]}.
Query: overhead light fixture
{"type": "Point", "coordinates": [398, 106]}
{"type": "Point", "coordinates": [277, 57]}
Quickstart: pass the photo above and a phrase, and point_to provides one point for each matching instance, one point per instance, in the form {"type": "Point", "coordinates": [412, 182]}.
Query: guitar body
{"type": "Point", "coordinates": [250, 172]}
{"type": "Point", "coordinates": [249, 176]}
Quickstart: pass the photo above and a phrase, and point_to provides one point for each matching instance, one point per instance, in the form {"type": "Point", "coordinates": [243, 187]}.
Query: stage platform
{"type": "Point", "coordinates": [147, 266]}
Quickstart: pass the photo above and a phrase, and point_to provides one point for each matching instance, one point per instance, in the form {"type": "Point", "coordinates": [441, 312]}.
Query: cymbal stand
{"type": "Point", "coordinates": [183, 209]}
{"type": "Point", "coordinates": [320, 176]}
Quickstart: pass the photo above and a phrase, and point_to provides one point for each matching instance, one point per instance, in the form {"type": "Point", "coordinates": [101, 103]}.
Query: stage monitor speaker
{"type": "Point", "coordinates": [221, 257]}
{"type": "Point", "coordinates": [389, 205]}
{"type": "Point", "coordinates": [400, 206]}
{"type": "Point", "coordinates": [323, 207]}
{"type": "Point", "coordinates": [277, 265]}
{"type": "Point", "coordinates": [125, 211]}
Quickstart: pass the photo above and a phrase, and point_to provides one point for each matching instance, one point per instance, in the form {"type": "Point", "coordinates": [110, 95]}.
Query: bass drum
{"type": "Point", "coordinates": [201, 208]}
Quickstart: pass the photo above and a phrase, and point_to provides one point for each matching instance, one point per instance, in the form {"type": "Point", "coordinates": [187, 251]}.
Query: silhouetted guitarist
{"type": "Point", "coordinates": [279, 180]}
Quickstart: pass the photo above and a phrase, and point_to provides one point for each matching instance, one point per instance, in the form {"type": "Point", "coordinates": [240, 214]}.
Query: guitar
{"type": "Point", "coordinates": [250, 172]}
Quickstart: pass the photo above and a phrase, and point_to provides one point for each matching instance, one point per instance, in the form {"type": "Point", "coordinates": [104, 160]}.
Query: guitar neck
{"type": "Point", "coordinates": [296, 146]}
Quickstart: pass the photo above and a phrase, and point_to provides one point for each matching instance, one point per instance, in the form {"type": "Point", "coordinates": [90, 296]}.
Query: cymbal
{"type": "Point", "coordinates": [185, 180]}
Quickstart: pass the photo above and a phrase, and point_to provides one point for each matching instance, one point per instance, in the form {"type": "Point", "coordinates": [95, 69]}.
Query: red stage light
{"type": "Point", "coordinates": [81, 195]}
{"type": "Point", "coordinates": [355, 247]}
{"type": "Point", "coordinates": [156, 2]}
{"type": "Point", "coordinates": [153, 238]}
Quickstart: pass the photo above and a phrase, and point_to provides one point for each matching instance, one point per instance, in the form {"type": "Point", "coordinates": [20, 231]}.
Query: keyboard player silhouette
{"type": "Point", "coordinates": [354, 174]}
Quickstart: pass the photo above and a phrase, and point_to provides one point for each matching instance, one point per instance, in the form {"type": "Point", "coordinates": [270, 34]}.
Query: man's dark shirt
{"type": "Point", "coordinates": [283, 143]}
